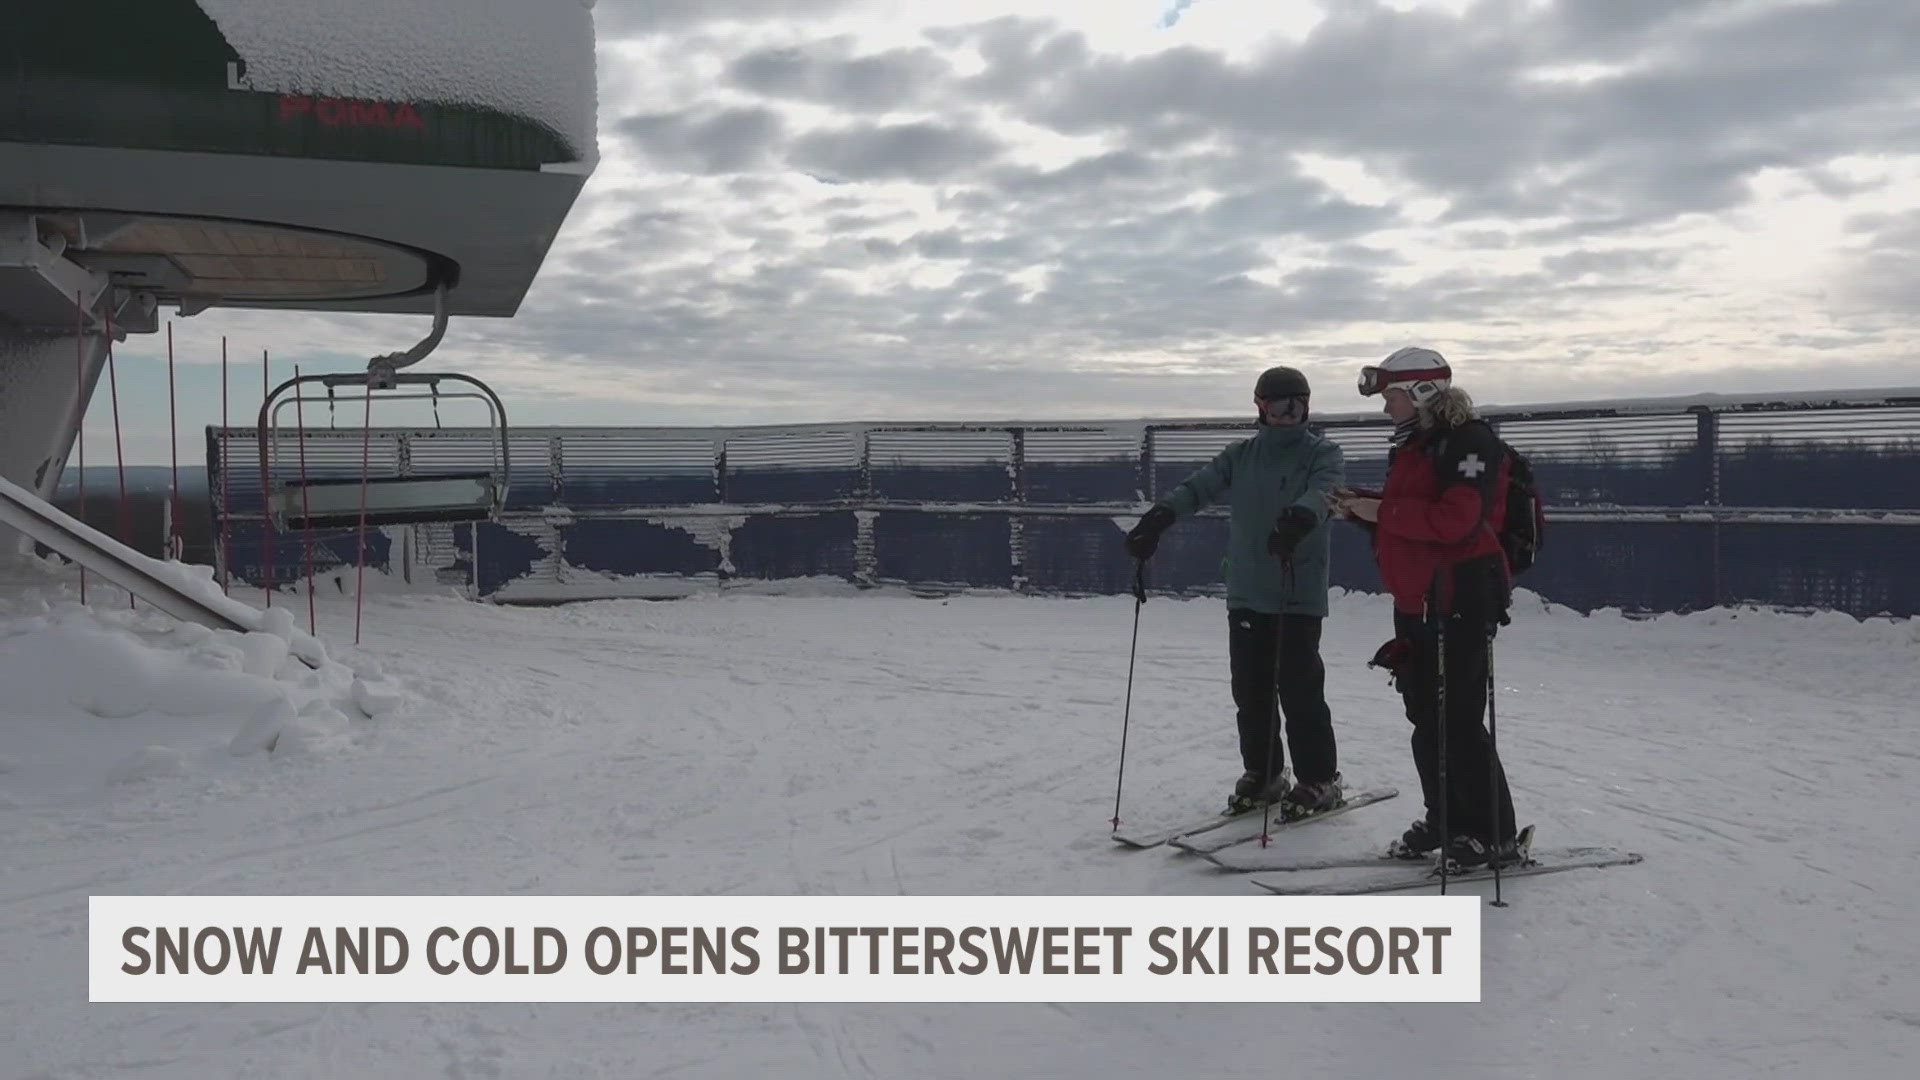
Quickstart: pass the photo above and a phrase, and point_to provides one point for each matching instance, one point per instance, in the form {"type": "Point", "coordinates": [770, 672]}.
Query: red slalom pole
{"type": "Point", "coordinates": [119, 450]}
{"type": "Point", "coordinates": [266, 480]}
{"type": "Point", "coordinates": [80, 407]}
{"type": "Point", "coordinates": [360, 557]}
{"type": "Point", "coordinates": [226, 547]}
{"type": "Point", "coordinates": [173, 439]}
{"type": "Point", "coordinates": [306, 508]}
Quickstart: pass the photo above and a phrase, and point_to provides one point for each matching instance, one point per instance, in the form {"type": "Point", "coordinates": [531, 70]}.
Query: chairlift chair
{"type": "Point", "coordinates": [339, 502]}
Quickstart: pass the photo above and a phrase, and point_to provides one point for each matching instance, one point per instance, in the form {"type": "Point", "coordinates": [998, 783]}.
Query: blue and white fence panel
{"type": "Point", "coordinates": [1653, 505]}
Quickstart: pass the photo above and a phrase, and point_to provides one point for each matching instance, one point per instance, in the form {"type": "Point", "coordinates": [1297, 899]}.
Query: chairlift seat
{"type": "Point", "coordinates": [390, 500]}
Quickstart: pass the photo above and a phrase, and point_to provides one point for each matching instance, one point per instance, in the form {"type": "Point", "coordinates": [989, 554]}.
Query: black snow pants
{"type": "Point", "coordinates": [1479, 804]}
{"type": "Point", "coordinates": [1302, 682]}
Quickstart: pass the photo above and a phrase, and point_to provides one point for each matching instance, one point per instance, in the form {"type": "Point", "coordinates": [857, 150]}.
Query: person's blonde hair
{"type": "Point", "coordinates": [1449, 408]}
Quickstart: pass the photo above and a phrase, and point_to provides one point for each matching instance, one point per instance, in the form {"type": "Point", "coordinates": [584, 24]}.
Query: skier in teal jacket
{"type": "Point", "coordinates": [1276, 483]}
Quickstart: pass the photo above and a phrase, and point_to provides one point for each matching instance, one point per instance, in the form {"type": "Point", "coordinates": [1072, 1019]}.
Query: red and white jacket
{"type": "Point", "coordinates": [1437, 541]}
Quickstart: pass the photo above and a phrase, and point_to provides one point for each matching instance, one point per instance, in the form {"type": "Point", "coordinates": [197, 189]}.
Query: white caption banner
{"type": "Point", "coordinates": [784, 948]}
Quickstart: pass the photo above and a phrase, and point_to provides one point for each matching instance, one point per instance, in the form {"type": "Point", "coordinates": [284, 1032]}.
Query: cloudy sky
{"type": "Point", "coordinates": [876, 209]}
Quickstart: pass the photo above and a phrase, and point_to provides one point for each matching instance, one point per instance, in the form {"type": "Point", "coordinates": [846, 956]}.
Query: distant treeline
{"type": "Point", "coordinates": [147, 479]}
{"type": "Point", "coordinates": [144, 525]}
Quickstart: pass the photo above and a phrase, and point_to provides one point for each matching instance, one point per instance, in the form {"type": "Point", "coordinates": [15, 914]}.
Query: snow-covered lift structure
{"type": "Point", "coordinates": [396, 156]}
{"type": "Point", "coordinates": [309, 155]}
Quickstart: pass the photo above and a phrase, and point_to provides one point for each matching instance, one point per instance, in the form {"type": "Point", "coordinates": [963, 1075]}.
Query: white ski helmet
{"type": "Point", "coordinates": [1423, 372]}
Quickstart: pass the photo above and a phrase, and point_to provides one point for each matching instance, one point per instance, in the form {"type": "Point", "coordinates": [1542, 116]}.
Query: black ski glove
{"type": "Point", "coordinates": [1294, 523]}
{"type": "Point", "coordinates": [1145, 537]}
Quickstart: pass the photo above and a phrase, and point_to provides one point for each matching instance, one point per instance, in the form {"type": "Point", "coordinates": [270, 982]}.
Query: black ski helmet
{"type": "Point", "coordinates": [1279, 382]}
{"type": "Point", "coordinates": [1282, 382]}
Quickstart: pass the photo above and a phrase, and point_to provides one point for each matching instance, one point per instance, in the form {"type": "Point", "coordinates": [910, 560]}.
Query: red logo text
{"type": "Point", "coordinates": [350, 112]}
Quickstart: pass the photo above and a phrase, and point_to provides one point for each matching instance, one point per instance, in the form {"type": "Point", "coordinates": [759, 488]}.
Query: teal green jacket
{"type": "Point", "coordinates": [1260, 476]}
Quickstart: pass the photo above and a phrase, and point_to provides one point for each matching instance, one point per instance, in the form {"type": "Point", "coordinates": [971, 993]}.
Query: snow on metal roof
{"type": "Point", "coordinates": [530, 58]}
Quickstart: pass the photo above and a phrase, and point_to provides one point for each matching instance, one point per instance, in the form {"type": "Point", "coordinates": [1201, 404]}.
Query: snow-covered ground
{"type": "Point", "coordinates": [880, 743]}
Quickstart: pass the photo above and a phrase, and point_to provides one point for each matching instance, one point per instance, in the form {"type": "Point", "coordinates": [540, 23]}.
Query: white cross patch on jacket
{"type": "Point", "coordinates": [1471, 466]}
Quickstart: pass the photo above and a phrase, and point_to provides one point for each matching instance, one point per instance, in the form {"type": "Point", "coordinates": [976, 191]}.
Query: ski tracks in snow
{"type": "Point", "coordinates": [882, 744]}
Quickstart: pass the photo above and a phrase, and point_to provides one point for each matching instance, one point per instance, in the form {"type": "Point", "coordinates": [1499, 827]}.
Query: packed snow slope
{"type": "Point", "coordinates": [815, 740]}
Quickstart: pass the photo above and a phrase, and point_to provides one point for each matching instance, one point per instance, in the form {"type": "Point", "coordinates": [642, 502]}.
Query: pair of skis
{"type": "Point", "coordinates": [1398, 875]}
{"type": "Point", "coordinates": [1228, 842]}
{"type": "Point", "coordinates": [1208, 835]}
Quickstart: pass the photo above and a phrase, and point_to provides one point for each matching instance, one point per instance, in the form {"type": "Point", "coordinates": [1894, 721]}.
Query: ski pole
{"type": "Point", "coordinates": [1493, 765]}
{"type": "Point", "coordinates": [1273, 718]}
{"type": "Point", "coordinates": [1126, 712]}
{"type": "Point", "coordinates": [1440, 778]}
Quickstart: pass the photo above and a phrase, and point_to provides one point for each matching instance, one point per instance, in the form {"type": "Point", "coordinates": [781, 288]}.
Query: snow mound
{"type": "Point", "coordinates": [148, 763]}
{"type": "Point", "coordinates": [103, 694]}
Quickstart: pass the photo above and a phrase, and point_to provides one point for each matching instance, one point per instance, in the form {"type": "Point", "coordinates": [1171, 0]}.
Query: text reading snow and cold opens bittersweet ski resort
{"type": "Point", "coordinates": [877, 948]}
{"type": "Point", "coordinates": [796, 950]}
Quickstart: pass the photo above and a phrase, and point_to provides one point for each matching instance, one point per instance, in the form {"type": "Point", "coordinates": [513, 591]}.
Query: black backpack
{"type": "Point", "coordinates": [1526, 523]}
{"type": "Point", "coordinates": [1525, 526]}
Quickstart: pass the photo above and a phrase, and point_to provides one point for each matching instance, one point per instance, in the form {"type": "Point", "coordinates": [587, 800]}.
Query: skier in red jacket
{"type": "Point", "coordinates": [1435, 534]}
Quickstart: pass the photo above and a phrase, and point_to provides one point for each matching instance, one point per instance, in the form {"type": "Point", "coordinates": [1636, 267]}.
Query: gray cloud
{"type": "Point", "coordinates": [828, 73]}
{"type": "Point", "coordinates": [1022, 55]}
{"type": "Point", "coordinates": [1350, 254]}
{"type": "Point", "coordinates": [706, 140]}
{"type": "Point", "coordinates": [1607, 29]}
{"type": "Point", "coordinates": [1098, 171]}
{"type": "Point", "coordinates": [1885, 274]}
{"type": "Point", "coordinates": [1445, 101]}
{"type": "Point", "coordinates": [657, 230]}
{"type": "Point", "coordinates": [916, 151]}
{"type": "Point", "coordinates": [617, 18]}
{"type": "Point", "coordinates": [1577, 263]}
{"type": "Point", "coordinates": [844, 223]}
{"type": "Point", "coordinates": [1297, 207]}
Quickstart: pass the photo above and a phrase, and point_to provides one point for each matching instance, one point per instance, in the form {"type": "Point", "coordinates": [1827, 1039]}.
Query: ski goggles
{"type": "Point", "coordinates": [1293, 406]}
{"type": "Point", "coordinates": [1375, 379]}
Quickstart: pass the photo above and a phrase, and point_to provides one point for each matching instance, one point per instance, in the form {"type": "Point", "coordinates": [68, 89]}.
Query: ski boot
{"type": "Point", "coordinates": [1314, 797]}
{"type": "Point", "coordinates": [1420, 841]}
{"type": "Point", "coordinates": [1467, 853]}
{"type": "Point", "coordinates": [1253, 791]}
{"type": "Point", "coordinates": [1515, 852]}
